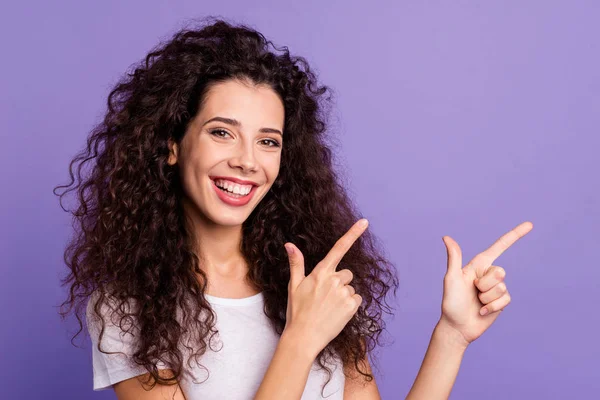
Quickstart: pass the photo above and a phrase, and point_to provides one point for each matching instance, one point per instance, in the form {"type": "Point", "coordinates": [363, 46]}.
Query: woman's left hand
{"type": "Point", "coordinates": [477, 287]}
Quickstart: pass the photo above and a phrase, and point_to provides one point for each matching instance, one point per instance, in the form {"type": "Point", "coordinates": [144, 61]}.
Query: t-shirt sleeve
{"type": "Point", "coordinates": [109, 369]}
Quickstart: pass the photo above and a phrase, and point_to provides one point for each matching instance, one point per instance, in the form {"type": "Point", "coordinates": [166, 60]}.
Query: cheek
{"type": "Point", "coordinates": [192, 173]}
{"type": "Point", "coordinates": [271, 167]}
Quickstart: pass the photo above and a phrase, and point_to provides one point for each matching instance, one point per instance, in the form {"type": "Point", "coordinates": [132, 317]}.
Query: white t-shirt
{"type": "Point", "coordinates": [246, 343]}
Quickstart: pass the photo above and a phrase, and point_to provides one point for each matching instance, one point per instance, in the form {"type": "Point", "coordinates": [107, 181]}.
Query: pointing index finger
{"type": "Point", "coordinates": [343, 244]}
{"type": "Point", "coordinates": [507, 240]}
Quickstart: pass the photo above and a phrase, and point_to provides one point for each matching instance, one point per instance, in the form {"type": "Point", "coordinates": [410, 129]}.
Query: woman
{"type": "Point", "coordinates": [211, 158]}
{"type": "Point", "coordinates": [209, 164]}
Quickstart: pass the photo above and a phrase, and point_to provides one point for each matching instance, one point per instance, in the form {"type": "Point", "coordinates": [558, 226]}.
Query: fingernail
{"type": "Point", "coordinates": [363, 223]}
{"type": "Point", "coordinates": [483, 311]}
{"type": "Point", "coordinates": [289, 249]}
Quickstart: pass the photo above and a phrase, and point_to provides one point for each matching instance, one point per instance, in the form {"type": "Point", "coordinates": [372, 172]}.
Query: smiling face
{"type": "Point", "coordinates": [236, 134]}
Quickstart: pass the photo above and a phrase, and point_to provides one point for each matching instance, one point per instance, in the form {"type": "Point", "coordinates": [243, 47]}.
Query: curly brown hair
{"type": "Point", "coordinates": [129, 200]}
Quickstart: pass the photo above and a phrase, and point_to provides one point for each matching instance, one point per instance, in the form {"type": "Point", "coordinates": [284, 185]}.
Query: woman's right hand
{"type": "Point", "coordinates": [322, 303]}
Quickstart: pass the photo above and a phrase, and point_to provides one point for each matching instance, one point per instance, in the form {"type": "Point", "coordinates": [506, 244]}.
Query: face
{"type": "Point", "coordinates": [237, 135]}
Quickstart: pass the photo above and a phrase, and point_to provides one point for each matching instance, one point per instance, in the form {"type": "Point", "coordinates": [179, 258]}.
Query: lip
{"type": "Point", "coordinates": [241, 201]}
{"type": "Point", "coordinates": [236, 180]}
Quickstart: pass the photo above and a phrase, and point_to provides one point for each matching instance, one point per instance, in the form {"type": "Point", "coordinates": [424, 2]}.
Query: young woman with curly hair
{"type": "Point", "coordinates": [210, 162]}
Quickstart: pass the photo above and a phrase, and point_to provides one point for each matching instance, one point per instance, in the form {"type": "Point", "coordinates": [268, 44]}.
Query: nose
{"type": "Point", "coordinates": [244, 159]}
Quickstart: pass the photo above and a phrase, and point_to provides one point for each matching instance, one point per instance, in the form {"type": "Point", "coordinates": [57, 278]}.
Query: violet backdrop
{"type": "Point", "coordinates": [460, 118]}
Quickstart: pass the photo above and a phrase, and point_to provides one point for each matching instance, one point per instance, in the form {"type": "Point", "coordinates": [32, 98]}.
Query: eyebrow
{"type": "Point", "coordinates": [238, 124]}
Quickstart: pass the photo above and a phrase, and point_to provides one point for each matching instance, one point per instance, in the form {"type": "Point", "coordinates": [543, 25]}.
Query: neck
{"type": "Point", "coordinates": [217, 246]}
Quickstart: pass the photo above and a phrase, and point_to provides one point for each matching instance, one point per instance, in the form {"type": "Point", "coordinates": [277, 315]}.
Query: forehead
{"type": "Point", "coordinates": [251, 104]}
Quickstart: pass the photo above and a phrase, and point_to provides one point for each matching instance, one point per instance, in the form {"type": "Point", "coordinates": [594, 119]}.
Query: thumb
{"type": "Point", "coordinates": [296, 265]}
{"type": "Point", "coordinates": [454, 254]}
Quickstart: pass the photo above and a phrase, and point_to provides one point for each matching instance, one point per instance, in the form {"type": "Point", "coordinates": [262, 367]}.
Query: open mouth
{"type": "Point", "coordinates": [234, 195]}
{"type": "Point", "coordinates": [225, 193]}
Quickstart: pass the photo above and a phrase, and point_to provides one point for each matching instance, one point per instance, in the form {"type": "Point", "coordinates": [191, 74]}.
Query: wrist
{"type": "Point", "coordinates": [297, 346]}
{"type": "Point", "coordinates": [450, 335]}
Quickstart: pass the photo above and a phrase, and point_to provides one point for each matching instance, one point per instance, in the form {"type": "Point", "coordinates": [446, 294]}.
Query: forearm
{"type": "Point", "coordinates": [288, 371]}
{"type": "Point", "coordinates": [440, 366]}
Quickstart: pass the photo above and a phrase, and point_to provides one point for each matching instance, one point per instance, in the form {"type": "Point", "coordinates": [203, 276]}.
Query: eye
{"type": "Point", "coordinates": [215, 132]}
{"type": "Point", "coordinates": [275, 143]}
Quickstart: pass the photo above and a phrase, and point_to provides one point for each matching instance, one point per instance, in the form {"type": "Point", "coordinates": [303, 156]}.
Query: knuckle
{"type": "Point", "coordinates": [359, 299]}
{"type": "Point", "coordinates": [335, 281]}
{"type": "Point", "coordinates": [500, 273]}
{"type": "Point", "coordinates": [320, 279]}
{"type": "Point", "coordinates": [350, 303]}
{"type": "Point", "coordinates": [349, 274]}
{"type": "Point", "coordinates": [502, 287]}
{"type": "Point", "coordinates": [351, 290]}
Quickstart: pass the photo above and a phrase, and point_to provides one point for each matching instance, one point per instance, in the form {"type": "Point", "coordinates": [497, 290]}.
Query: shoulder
{"type": "Point", "coordinates": [103, 305]}
{"type": "Point", "coordinates": [111, 321]}
{"type": "Point", "coordinates": [115, 338]}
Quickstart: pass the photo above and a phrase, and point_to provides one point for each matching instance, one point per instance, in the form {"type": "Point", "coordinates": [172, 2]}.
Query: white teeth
{"type": "Point", "coordinates": [233, 187]}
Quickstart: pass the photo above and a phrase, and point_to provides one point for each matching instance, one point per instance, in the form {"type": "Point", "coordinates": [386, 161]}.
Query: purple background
{"type": "Point", "coordinates": [459, 118]}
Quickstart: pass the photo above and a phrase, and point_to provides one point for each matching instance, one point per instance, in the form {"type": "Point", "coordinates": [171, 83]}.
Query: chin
{"type": "Point", "coordinates": [229, 220]}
